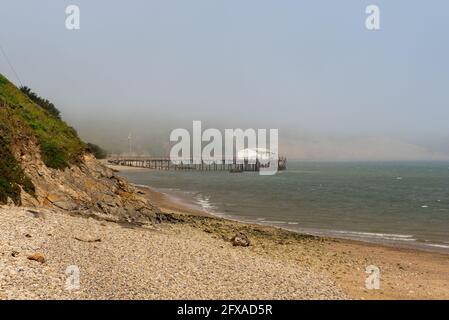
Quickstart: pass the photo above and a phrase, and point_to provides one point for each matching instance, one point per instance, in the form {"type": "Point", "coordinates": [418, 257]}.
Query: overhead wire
{"type": "Point", "coordinates": [10, 65]}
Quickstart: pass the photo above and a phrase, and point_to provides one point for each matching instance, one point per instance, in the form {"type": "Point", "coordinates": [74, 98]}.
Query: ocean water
{"type": "Point", "coordinates": [402, 203]}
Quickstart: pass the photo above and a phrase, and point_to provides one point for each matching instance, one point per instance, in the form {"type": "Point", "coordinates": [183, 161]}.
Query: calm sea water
{"type": "Point", "coordinates": [401, 203]}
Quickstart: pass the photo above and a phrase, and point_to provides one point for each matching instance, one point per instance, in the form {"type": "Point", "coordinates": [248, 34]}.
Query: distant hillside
{"type": "Point", "coordinates": [43, 162]}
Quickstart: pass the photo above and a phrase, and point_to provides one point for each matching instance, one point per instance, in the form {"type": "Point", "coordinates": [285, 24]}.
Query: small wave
{"type": "Point", "coordinates": [170, 189]}
{"type": "Point", "coordinates": [140, 185]}
{"type": "Point", "coordinates": [205, 203]}
{"type": "Point", "coordinates": [375, 235]}
{"type": "Point", "coordinates": [437, 245]}
{"type": "Point", "coordinates": [273, 221]}
{"type": "Point", "coordinates": [399, 239]}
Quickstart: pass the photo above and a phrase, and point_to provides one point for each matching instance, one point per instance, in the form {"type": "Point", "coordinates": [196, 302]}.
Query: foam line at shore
{"type": "Point", "coordinates": [401, 240]}
{"type": "Point", "coordinates": [203, 203]}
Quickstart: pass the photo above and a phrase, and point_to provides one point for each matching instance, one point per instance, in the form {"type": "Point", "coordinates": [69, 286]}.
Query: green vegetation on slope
{"type": "Point", "coordinates": [41, 102]}
{"type": "Point", "coordinates": [11, 176]}
{"type": "Point", "coordinates": [21, 119]}
{"type": "Point", "coordinates": [60, 145]}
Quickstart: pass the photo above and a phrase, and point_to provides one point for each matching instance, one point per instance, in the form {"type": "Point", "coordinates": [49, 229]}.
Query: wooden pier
{"type": "Point", "coordinates": [167, 164]}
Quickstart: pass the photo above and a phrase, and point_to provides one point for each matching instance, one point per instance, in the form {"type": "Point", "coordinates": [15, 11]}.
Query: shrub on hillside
{"type": "Point", "coordinates": [43, 103]}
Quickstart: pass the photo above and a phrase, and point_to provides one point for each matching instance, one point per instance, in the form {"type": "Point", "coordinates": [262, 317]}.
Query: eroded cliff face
{"type": "Point", "coordinates": [43, 162]}
{"type": "Point", "coordinates": [86, 188]}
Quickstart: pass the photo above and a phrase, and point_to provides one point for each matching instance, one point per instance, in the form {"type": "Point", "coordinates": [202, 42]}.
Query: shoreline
{"type": "Point", "coordinates": [188, 256]}
{"type": "Point", "coordinates": [407, 273]}
{"type": "Point", "coordinates": [172, 203]}
{"type": "Point", "coordinates": [192, 257]}
{"type": "Point", "coordinates": [169, 203]}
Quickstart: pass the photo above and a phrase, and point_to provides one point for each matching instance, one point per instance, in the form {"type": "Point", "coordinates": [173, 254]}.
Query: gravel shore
{"type": "Point", "coordinates": [169, 261]}
{"type": "Point", "coordinates": [192, 257]}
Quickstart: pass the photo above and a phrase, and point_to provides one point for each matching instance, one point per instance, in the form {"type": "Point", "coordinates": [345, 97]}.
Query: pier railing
{"type": "Point", "coordinates": [162, 163]}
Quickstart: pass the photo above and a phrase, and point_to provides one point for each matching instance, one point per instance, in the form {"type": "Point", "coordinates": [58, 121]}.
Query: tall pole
{"type": "Point", "coordinates": [129, 143]}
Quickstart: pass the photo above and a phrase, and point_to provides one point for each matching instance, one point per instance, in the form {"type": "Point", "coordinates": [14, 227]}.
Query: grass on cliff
{"type": "Point", "coordinates": [12, 175]}
{"type": "Point", "coordinates": [21, 119]}
{"type": "Point", "coordinates": [59, 143]}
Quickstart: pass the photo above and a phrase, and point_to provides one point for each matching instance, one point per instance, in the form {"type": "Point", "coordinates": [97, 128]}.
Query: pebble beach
{"type": "Point", "coordinates": [125, 262]}
{"type": "Point", "coordinates": [193, 257]}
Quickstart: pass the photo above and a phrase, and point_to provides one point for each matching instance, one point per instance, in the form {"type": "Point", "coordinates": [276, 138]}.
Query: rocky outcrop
{"type": "Point", "coordinates": [86, 188]}
{"type": "Point", "coordinates": [43, 162]}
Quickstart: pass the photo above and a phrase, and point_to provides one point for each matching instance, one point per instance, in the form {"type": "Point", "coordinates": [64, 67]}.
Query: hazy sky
{"type": "Point", "coordinates": [310, 68]}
